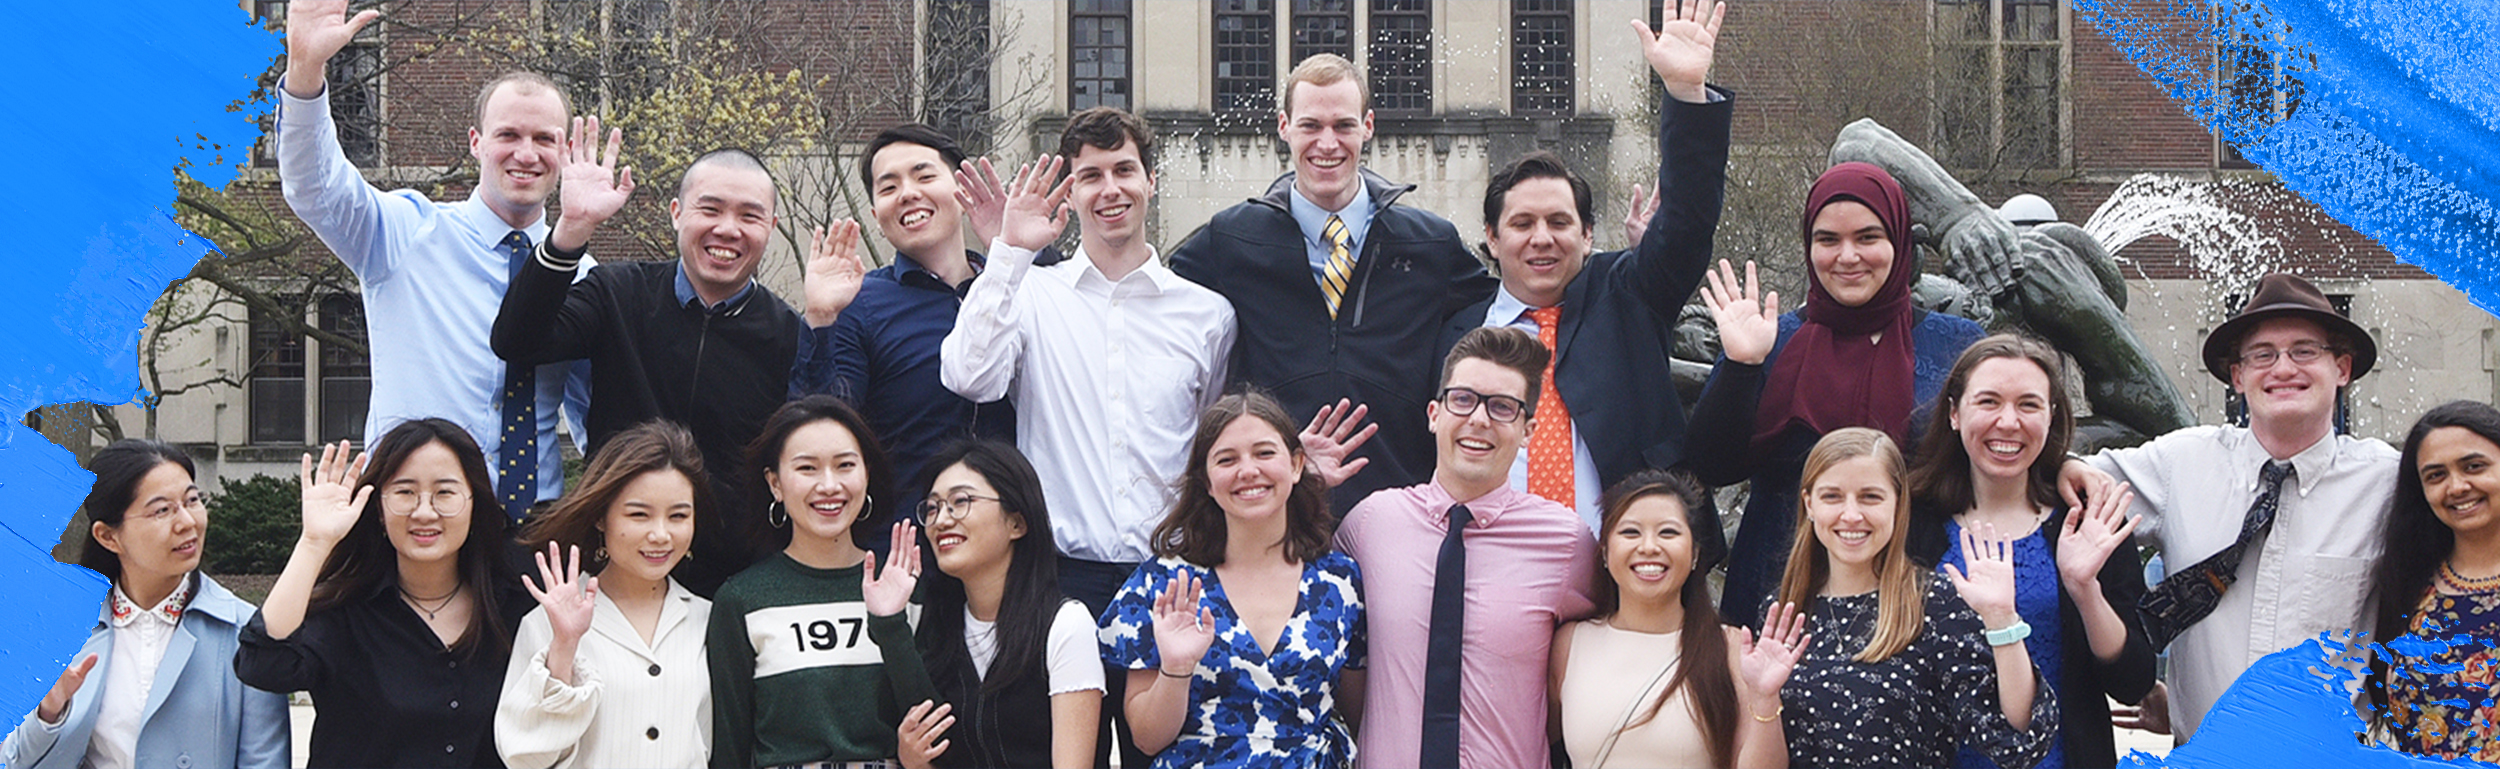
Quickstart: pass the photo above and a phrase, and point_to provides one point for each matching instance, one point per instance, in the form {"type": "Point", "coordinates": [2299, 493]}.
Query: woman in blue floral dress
{"type": "Point", "coordinates": [2437, 589]}
{"type": "Point", "coordinates": [1244, 637]}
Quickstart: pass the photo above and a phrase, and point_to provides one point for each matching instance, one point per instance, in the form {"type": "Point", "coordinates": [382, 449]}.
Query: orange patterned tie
{"type": "Point", "coordinates": [1549, 449]}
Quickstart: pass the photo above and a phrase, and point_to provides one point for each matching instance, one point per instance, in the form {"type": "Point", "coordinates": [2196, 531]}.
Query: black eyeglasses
{"type": "Point", "coordinates": [950, 507]}
{"type": "Point", "coordinates": [2301, 353]}
{"type": "Point", "coordinates": [1499, 408]}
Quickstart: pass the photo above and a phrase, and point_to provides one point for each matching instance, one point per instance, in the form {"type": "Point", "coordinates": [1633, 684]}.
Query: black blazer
{"type": "Point", "coordinates": [2085, 683]}
{"type": "Point", "coordinates": [1618, 315]}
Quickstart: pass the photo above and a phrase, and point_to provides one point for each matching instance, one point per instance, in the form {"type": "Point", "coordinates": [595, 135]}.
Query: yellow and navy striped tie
{"type": "Point", "coordinates": [1332, 279]}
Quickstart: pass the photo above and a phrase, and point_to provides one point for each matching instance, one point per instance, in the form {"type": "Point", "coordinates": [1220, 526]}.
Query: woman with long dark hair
{"type": "Point", "coordinates": [1904, 668]}
{"type": "Point", "coordinates": [397, 608]}
{"type": "Point", "coordinates": [2438, 580]}
{"type": "Point", "coordinates": [605, 670]}
{"type": "Point", "coordinates": [1015, 660]}
{"type": "Point", "coordinates": [812, 657]}
{"type": "Point", "coordinates": [1244, 637]}
{"type": "Point", "coordinates": [1990, 458]}
{"type": "Point", "coordinates": [167, 634]}
{"type": "Point", "coordinates": [1654, 613]}
{"type": "Point", "coordinates": [1858, 354]}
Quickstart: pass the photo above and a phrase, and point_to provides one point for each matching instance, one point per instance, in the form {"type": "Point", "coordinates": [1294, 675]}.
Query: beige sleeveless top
{"type": "Point", "coordinates": [1609, 680]}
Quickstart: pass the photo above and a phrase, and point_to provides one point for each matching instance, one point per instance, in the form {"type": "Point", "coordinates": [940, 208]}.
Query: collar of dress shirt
{"type": "Point", "coordinates": [490, 229]}
{"type": "Point", "coordinates": [909, 272]}
{"type": "Point", "coordinates": [1311, 218]}
{"type": "Point", "coordinates": [169, 610]}
{"type": "Point", "coordinates": [1486, 510]}
{"type": "Point", "coordinates": [686, 296]}
{"type": "Point", "coordinates": [1156, 276]}
{"type": "Point", "coordinates": [2310, 466]}
{"type": "Point", "coordinates": [1506, 309]}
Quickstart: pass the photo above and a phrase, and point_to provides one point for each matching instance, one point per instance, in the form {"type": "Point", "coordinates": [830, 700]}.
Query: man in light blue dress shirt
{"type": "Point", "coordinates": [433, 274]}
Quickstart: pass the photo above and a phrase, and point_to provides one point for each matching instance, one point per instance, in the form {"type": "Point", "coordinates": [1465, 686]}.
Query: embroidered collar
{"type": "Point", "coordinates": [170, 609]}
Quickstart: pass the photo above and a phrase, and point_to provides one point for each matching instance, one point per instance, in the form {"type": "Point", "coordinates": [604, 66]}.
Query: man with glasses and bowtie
{"type": "Point", "coordinates": [434, 274]}
{"type": "Point", "coordinates": [2270, 529]}
{"type": "Point", "coordinates": [1466, 577]}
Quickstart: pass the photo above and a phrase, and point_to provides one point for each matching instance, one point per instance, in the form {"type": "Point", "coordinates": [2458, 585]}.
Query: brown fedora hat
{"type": "Point", "coordinates": [2281, 295]}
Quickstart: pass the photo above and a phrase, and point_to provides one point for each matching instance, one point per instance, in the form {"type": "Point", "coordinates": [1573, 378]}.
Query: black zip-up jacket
{"type": "Point", "coordinates": [720, 374]}
{"type": "Point", "coordinates": [1379, 350]}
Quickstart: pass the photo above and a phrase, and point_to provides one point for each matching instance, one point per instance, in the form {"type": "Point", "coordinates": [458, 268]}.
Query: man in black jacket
{"type": "Point", "coordinates": [1608, 406]}
{"type": "Point", "coordinates": [1338, 291]}
{"type": "Point", "coordinates": [695, 340]}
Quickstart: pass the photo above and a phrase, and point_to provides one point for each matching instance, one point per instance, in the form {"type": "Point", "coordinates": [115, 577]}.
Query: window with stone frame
{"type": "Point", "coordinates": [2000, 83]}
{"type": "Point", "coordinates": [1543, 63]}
{"type": "Point", "coordinates": [1100, 48]}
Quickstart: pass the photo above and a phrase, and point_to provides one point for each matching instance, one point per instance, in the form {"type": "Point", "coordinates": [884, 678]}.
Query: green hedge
{"type": "Point", "coordinates": [252, 525]}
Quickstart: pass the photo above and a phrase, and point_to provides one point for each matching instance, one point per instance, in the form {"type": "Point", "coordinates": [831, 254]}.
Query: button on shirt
{"type": "Point", "coordinates": [390, 693]}
{"type": "Point", "coordinates": [433, 279]}
{"type": "Point", "coordinates": [1107, 378]}
{"type": "Point", "coordinates": [630, 701]}
{"type": "Point", "coordinates": [1313, 219]}
{"type": "Point", "coordinates": [1529, 564]}
{"type": "Point", "coordinates": [2305, 576]}
{"type": "Point", "coordinates": [1508, 312]}
{"type": "Point", "coordinates": [882, 358]}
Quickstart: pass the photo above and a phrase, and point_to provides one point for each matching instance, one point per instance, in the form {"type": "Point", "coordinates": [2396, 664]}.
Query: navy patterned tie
{"type": "Point", "coordinates": [516, 462]}
{"type": "Point", "coordinates": [1441, 657]}
{"type": "Point", "coordinates": [2188, 595]}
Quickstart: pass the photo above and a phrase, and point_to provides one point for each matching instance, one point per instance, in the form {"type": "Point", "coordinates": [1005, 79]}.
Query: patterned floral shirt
{"type": "Point", "coordinates": [2445, 670]}
{"type": "Point", "coordinates": [1248, 708]}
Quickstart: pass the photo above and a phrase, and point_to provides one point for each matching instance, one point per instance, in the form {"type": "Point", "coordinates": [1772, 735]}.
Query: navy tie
{"type": "Point", "coordinates": [1441, 657]}
{"type": "Point", "coordinates": [516, 462]}
{"type": "Point", "coordinates": [2187, 596]}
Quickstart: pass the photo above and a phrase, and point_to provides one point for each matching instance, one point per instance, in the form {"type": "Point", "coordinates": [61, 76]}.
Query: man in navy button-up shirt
{"type": "Point", "coordinates": [881, 352]}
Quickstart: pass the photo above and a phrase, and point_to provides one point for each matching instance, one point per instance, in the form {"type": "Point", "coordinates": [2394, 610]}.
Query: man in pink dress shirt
{"type": "Point", "coordinates": [1528, 566]}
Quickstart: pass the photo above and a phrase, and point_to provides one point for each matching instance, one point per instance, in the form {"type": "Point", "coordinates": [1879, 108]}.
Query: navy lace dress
{"type": "Point", "coordinates": [2035, 598]}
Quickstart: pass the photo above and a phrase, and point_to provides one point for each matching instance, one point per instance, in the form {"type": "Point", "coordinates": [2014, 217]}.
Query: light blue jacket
{"type": "Point", "coordinates": [197, 715]}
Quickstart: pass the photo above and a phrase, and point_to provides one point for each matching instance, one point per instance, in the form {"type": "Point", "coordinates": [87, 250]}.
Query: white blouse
{"type": "Point", "coordinates": [1073, 656]}
{"type": "Point", "coordinates": [636, 704]}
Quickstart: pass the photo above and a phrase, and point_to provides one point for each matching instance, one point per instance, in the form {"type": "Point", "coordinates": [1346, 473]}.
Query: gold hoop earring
{"type": "Point", "coordinates": [602, 555]}
{"type": "Point", "coordinates": [775, 507]}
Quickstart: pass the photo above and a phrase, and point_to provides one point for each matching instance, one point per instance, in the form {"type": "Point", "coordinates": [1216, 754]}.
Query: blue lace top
{"type": "Point", "coordinates": [2035, 598]}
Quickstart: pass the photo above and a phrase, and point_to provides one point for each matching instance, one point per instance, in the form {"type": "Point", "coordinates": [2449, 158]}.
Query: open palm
{"type": "Point", "coordinates": [1183, 629]}
{"type": "Point", "coordinates": [1764, 661]}
{"type": "Point", "coordinates": [834, 272]}
{"type": "Point", "coordinates": [1680, 51]}
{"type": "Point", "coordinates": [1986, 579]}
{"type": "Point", "coordinates": [330, 510]}
{"type": "Point", "coordinates": [594, 189]}
{"type": "Point", "coordinates": [2092, 533]}
{"type": "Point", "coordinates": [1748, 319]}
{"type": "Point", "coordinates": [568, 597]}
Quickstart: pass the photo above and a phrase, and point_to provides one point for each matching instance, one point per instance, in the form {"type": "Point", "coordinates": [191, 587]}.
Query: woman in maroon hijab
{"type": "Point", "coordinates": [1857, 355]}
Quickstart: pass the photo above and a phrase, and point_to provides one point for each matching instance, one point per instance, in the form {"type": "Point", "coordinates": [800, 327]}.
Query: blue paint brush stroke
{"type": "Point", "coordinates": [109, 99]}
{"type": "Point", "coordinates": [2289, 709]}
{"type": "Point", "coordinates": [2396, 131]}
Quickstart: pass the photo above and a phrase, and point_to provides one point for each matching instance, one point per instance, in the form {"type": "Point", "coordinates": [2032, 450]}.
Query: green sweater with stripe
{"type": "Point", "coordinates": [802, 673]}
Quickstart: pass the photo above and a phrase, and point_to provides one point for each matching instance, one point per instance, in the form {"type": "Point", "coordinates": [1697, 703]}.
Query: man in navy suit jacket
{"type": "Point", "coordinates": [1615, 326]}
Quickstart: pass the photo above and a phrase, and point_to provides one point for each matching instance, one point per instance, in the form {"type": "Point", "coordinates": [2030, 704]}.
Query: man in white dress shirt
{"type": "Point", "coordinates": [2285, 574]}
{"type": "Point", "coordinates": [1108, 354]}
